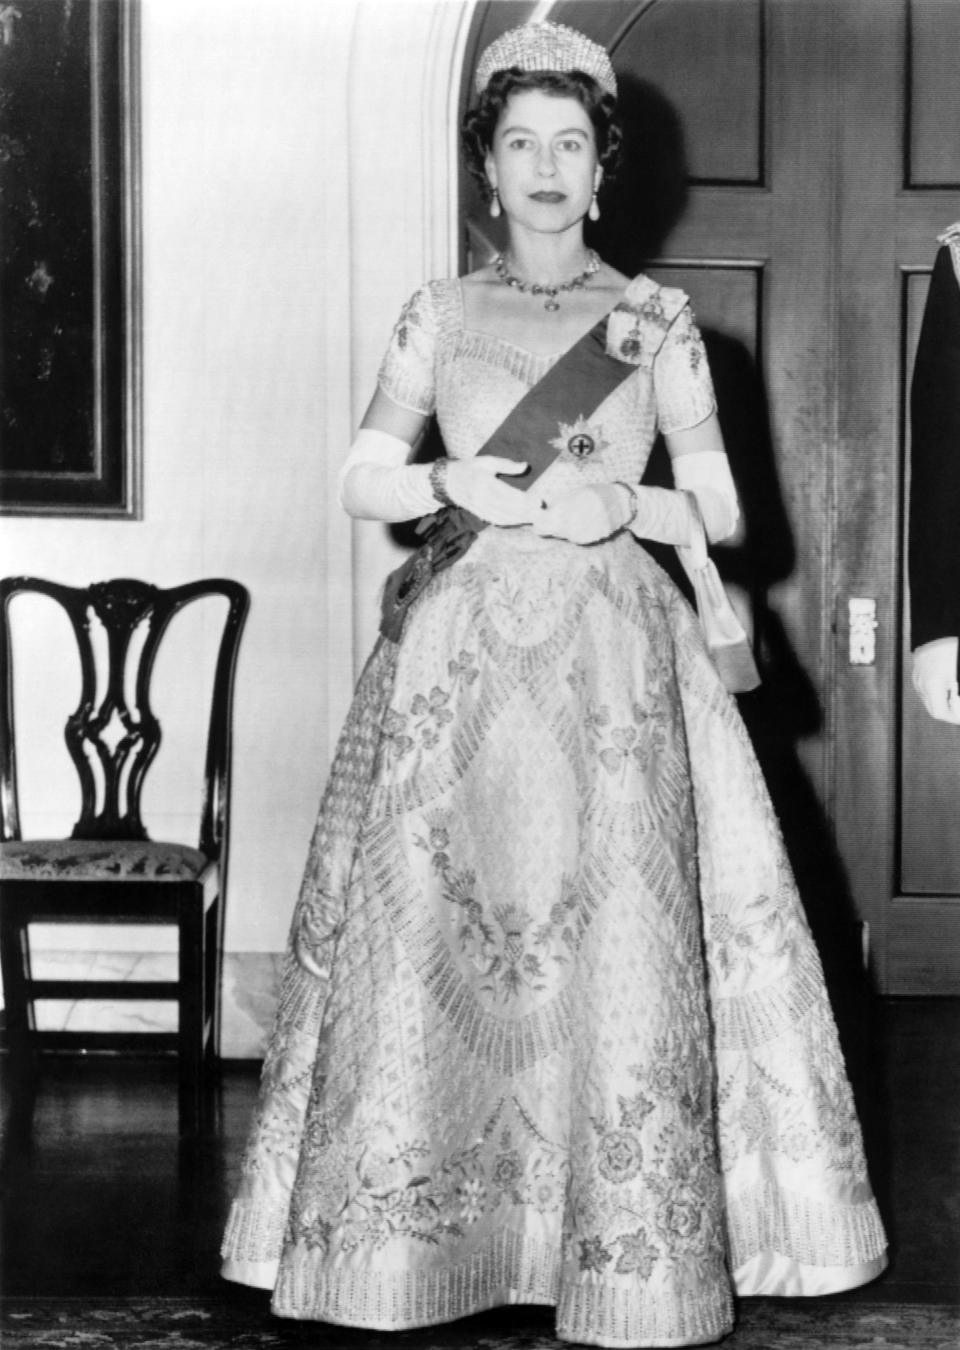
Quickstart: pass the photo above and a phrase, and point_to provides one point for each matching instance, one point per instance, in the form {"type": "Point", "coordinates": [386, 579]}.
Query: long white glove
{"type": "Point", "coordinates": [377, 483]}
{"type": "Point", "coordinates": [935, 678]}
{"type": "Point", "coordinates": [597, 510]}
{"type": "Point", "coordinates": [706, 473]}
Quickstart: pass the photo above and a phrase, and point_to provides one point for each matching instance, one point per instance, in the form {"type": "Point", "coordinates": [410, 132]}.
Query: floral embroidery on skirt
{"type": "Point", "coordinates": [553, 1028]}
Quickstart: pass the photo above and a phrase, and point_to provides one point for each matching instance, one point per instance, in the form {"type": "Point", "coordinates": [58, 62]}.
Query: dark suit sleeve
{"type": "Point", "coordinates": [934, 537]}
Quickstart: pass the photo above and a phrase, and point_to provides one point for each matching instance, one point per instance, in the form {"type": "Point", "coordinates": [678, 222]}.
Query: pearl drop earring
{"type": "Point", "coordinates": [495, 207]}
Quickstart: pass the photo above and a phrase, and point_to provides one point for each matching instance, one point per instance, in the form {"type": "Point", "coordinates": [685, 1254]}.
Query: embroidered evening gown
{"type": "Point", "coordinates": [553, 1029]}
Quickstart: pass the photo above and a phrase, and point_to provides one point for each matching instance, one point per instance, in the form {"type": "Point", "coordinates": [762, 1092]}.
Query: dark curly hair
{"type": "Point", "coordinates": [480, 122]}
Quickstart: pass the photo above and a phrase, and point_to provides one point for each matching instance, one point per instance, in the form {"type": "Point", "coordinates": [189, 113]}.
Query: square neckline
{"type": "Point", "coordinates": [551, 357]}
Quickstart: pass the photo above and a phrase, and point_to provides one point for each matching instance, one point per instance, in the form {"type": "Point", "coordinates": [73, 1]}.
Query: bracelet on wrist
{"type": "Point", "coordinates": [634, 504]}
{"type": "Point", "coordinates": [438, 482]}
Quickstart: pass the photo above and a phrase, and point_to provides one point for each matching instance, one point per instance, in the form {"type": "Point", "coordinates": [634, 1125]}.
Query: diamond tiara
{"type": "Point", "coordinates": [546, 46]}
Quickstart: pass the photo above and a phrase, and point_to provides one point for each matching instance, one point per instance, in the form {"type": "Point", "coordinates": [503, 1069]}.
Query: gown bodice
{"type": "Point", "coordinates": [471, 379]}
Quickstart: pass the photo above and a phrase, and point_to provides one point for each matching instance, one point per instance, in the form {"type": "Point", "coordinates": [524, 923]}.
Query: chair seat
{"type": "Point", "coordinates": [99, 860]}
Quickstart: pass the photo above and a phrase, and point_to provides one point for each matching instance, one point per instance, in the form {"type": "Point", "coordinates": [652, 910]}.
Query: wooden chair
{"type": "Point", "coordinates": [109, 871]}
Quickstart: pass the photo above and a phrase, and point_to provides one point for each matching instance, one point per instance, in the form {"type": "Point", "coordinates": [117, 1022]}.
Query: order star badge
{"type": "Point", "coordinates": [580, 441]}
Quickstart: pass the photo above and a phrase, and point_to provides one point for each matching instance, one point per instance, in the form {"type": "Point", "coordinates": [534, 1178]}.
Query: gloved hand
{"type": "Point", "coordinates": [377, 483]}
{"type": "Point", "coordinates": [935, 679]}
{"type": "Point", "coordinates": [586, 515]}
{"type": "Point", "coordinates": [472, 483]}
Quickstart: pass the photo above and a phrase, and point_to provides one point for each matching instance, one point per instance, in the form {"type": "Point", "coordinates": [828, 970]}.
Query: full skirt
{"type": "Point", "coordinates": [553, 1029]}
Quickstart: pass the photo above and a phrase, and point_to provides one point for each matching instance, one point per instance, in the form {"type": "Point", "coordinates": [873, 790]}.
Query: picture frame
{"type": "Point", "coordinates": [70, 321]}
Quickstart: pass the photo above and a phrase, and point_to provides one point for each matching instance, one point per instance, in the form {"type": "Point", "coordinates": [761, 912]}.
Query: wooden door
{"type": "Point", "coordinates": [787, 169]}
{"type": "Point", "coordinates": [897, 770]}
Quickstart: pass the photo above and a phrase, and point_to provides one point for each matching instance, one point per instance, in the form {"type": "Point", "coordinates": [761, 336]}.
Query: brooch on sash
{"type": "Point", "coordinates": [579, 441]}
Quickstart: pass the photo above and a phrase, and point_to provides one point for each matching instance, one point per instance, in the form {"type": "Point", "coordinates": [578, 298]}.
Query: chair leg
{"type": "Point", "coordinates": [18, 1007]}
{"type": "Point", "coordinates": [212, 975]}
{"type": "Point", "coordinates": [218, 990]}
{"type": "Point", "coordinates": [190, 1044]}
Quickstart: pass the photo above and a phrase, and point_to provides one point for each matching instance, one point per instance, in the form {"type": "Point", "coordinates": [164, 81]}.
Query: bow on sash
{"type": "Point", "coordinates": [580, 380]}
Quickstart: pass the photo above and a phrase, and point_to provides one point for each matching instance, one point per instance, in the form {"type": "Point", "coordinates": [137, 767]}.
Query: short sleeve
{"type": "Point", "coordinates": [681, 377]}
{"type": "Point", "coordinates": [407, 372]}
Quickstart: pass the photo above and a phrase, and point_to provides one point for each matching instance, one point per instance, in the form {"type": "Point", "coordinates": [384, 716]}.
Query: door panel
{"type": "Point", "coordinates": [680, 46]}
{"type": "Point", "coordinates": [933, 115]}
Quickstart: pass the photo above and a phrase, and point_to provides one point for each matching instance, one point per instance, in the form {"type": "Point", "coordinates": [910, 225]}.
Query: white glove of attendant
{"type": "Point", "coordinates": [377, 483]}
{"type": "Point", "coordinates": [935, 678]}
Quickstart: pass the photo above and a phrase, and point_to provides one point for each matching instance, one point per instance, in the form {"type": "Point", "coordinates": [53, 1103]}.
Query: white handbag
{"type": "Point", "coordinates": [727, 641]}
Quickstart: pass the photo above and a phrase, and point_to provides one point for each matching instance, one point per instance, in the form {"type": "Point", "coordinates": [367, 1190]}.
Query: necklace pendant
{"type": "Point", "coordinates": [551, 304]}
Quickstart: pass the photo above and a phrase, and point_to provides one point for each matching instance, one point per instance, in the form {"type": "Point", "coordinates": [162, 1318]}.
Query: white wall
{"type": "Point", "coordinates": [298, 183]}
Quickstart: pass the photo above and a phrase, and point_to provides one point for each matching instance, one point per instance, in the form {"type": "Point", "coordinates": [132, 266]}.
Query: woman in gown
{"type": "Point", "coordinates": [552, 1029]}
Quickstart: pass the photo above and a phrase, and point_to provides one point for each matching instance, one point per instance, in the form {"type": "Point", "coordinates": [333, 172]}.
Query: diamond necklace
{"type": "Point", "coordinates": [540, 288]}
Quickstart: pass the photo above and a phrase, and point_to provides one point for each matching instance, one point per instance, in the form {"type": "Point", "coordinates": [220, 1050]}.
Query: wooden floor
{"type": "Point", "coordinates": [101, 1197]}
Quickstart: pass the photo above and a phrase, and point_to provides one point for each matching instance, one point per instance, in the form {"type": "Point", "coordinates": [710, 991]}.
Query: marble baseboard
{"type": "Point", "coordinates": [251, 985]}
